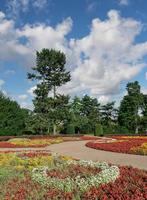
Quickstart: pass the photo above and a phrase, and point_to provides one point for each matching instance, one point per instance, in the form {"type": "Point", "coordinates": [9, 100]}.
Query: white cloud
{"type": "Point", "coordinates": [39, 4]}
{"type": "Point", "coordinates": [10, 46]}
{"type": "Point", "coordinates": [4, 92]}
{"type": "Point", "coordinates": [41, 36]}
{"type": "Point", "coordinates": [144, 90]}
{"type": "Point", "coordinates": [124, 2]}
{"type": "Point", "coordinates": [109, 54]}
{"type": "Point", "coordinates": [26, 105]}
{"type": "Point", "coordinates": [15, 7]}
{"type": "Point", "coordinates": [99, 62]}
{"type": "Point", "coordinates": [23, 97]}
{"type": "Point", "coordinates": [9, 72]}
{"type": "Point", "coordinates": [30, 91]}
{"type": "Point", "coordinates": [91, 6]}
{"type": "Point", "coordinates": [37, 36]}
{"type": "Point", "coordinates": [1, 83]}
{"type": "Point", "coordinates": [103, 99]}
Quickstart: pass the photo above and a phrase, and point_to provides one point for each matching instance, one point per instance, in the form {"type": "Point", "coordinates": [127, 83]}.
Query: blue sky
{"type": "Point", "coordinates": [105, 42]}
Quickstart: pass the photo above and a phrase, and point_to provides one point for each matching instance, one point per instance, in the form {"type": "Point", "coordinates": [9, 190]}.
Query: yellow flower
{"type": "Point", "coordinates": [19, 167]}
{"type": "Point", "coordinates": [141, 149]}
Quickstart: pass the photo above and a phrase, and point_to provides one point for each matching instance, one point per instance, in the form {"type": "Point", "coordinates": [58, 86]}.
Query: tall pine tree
{"type": "Point", "coordinates": [51, 73]}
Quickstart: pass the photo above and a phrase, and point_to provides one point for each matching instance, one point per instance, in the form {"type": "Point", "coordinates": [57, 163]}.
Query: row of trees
{"type": "Point", "coordinates": [56, 113]}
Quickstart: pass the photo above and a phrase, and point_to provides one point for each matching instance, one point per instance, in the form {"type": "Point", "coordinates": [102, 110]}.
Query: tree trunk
{"type": "Point", "coordinates": [54, 129]}
{"type": "Point", "coordinates": [136, 120]}
{"type": "Point", "coordinates": [136, 130]}
{"type": "Point", "coordinates": [54, 124]}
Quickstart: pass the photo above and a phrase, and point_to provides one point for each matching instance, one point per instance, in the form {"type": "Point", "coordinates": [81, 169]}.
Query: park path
{"type": "Point", "coordinates": [77, 149]}
{"type": "Point", "coordinates": [80, 151]}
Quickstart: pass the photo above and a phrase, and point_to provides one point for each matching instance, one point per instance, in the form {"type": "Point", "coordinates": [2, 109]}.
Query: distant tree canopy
{"type": "Point", "coordinates": [84, 113]}
{"type": "Point", "coordinates": [12, 117]}
{"type": "Point", "coordinates": [57, 113]}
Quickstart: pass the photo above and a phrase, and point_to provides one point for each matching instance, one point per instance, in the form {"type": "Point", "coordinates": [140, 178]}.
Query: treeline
{"type": "Point", "coordinates": [87, 116]}
{"type": "Point", "coordinates": [55, 113]}
{"type": "Point", "coordinates": [12, 117]}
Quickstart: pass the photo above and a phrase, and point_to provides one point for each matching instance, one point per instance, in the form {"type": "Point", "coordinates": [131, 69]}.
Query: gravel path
{"type": "Point", "coordinates": [77, 149]}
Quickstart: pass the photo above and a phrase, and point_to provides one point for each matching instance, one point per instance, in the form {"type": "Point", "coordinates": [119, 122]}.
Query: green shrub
{"type": "Point", "coordinates": [122, 130]}
{"type": "Point", "coordinates": [109, 129]}
{"type": "Point", "coordinates": [86, 129]}
{"type": "Point", "coordinates": [98, 130]}
{"type": "Point", "coordinates": [70, 129]}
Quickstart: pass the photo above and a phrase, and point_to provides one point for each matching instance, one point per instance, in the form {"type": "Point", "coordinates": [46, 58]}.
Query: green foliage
{"type": "Point", "coordinates": [86, 128]}
{"type": "Point", "coordinates": [12, 117]}
{"type": "Point", "coordinates": [98, 130]}
{"type": "Point", "coordinates": [70, 129]}
{"type": "Point", "coordinates": [144, 114]}
{"type": "Point", "coordinates": [84, 113]}
{"type": "Point", "coordinates": [37, 124]}
{"type": "Point", "coordinates": [9, 173]}
{"type": "Point", "coordinates": [108, 114]}
{"type": "Point", "coordinates": [54, 112]}
{"type": "Point", "coordinates": [122, 130]}
{"type": "Point", "coordinates": [130, 106]}
{"type": "Point", "coordinates": [51, 73]}
{"type": "Point", "coordinates": [90, 108]}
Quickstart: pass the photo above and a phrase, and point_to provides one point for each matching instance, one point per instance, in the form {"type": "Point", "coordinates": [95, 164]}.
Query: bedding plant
{"type": "Point", "coordinates": [37, 142]}
{"type": "Point", "coordinates": [122, 144]}
{"type": "Point", "coordinates": [41, 175]}
{"type": "Point", "coordinates": [25, 142]}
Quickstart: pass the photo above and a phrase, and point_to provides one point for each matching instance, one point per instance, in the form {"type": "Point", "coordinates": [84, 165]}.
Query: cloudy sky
{"type": "Point", "coordinates": [105, 42]}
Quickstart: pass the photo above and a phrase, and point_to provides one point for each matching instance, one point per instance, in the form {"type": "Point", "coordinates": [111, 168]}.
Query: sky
{"type": "Point", "coordinates": [105, 42]}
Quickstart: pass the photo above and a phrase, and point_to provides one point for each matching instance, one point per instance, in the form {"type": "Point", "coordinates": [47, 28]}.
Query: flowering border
{"type": "Point", "coordinates": [107, 175]}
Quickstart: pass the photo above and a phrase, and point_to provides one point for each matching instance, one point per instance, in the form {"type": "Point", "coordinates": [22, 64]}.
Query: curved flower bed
{"type": "Point", "coordinates": [60, 177]}
{"type": "Point", "coordinates": [81, 182]}
{"type": "Point", "coordinates": [24, 142]}
{"type": "Point", "coordinates": [131, 185]}
{"type": "Point", "coordinates": [38, 142]}
{"type": "Point", "coordinates": [131, 145]}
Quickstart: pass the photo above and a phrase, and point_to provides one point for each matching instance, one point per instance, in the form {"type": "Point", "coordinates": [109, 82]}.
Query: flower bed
{"type": "Point", "coordinates": [131, 185]}
{"type": "Point", "coordinates": [131, 145]}
{"type": "Point", "coordinates": [41, 175]}
{"type": "Point", "coordinates": [89, 137]}
{"type": "Point", "coordinates": [24, 142]}
{"type": "Point", "coordinates": [43, 141]}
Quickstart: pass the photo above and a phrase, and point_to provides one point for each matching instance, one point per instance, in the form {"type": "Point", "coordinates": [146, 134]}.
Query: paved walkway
{"type": "Point", "coordinates": [80, 151]}
{"type": "Point", "coordinates": [77, 149]}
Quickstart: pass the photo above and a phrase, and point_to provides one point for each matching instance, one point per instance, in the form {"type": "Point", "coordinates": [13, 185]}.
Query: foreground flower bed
{"type": "Point", "coordinates": [131, 145]}
{"type": "Point", "coordinates": [40, 176]}
{"type": "Point", "coordinates": [131, 185]}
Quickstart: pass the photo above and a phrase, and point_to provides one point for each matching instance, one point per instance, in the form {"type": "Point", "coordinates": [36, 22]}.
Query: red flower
{"type": "Point", "coordinates": [119, 146]}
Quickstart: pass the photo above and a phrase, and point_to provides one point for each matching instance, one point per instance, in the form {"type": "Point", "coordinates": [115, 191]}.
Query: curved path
{"type": "Point", "coordinates": [80, 151]}
{"type": "Point", "coordinates": [77, 149]}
